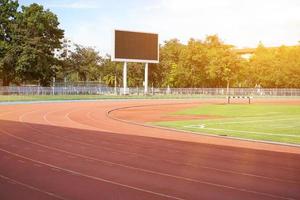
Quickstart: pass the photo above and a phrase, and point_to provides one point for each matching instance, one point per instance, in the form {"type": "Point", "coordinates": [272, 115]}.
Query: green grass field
{"type": "Point", "coordinates": [278, 123]}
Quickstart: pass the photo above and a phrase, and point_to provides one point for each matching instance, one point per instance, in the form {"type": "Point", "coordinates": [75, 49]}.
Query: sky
{"type": "Point", "coordinates": [242, 23]}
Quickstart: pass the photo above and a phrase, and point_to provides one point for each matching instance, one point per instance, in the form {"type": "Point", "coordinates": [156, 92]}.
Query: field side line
{"type": "Point", "coordinates": [258, 133]}
{"type": "Point", "coordinates": [32, 187]}
{"type": "Point", "coordinates": [271, 118]}
{"type": "Point", "coordinates": [90, 177]}
{"type": "Point", "coordinates": [266, 120]}
{"type": "Point", "coordinates": [283, 126]}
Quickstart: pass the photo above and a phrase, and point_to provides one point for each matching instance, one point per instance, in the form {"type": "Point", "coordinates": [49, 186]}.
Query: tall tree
{"type": "Point", "coordinates": [8, 14]}
{"type": "Point", "coordinates": [39, 35]}
{"type": "Point", "coordinates": [63, 66]}
{"type": "Point", "coordinates": [111, 72]}
{"type": "Point", "coordinates": [275, 67]}
{"type": "Point", "coordinates": [224, 65]}
{"type": "Point", "coordinates": [162, 74]}
{"type": "Point", "coordinates": [86, 62]}
{"type": "Point", "coordinates": [192, 64]}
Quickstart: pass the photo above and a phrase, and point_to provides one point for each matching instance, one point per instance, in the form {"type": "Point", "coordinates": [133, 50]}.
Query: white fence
{"type": "Point", "coordinates": [104, 90]}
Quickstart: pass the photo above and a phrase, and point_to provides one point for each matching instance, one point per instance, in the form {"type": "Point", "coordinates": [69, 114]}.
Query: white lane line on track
{"type": "Point", "coordinates": [45, 116]}
{"type": "Point", "coordinates": [32, 187]}
{"type": "Point", "coordinates": [86, 125]}
{"type": "Point", "coordinates": [12, 112]}
{"type": "Point", "coordinates": [88, 115]}
{"type": "Point", "coordinates": [169, 161]}
{"type": "Point", "coordinates": [165, 160]}
{"type": "Point", "coordinates": [69, 156]}
{"type": "Point", "coordinates": [67, 117]}
{"type": "Point", "coordinates": [153, 172]}
{"type": "Point", "coordinates": [7, 113]}
{"type": "Point", "coordinates": [54, 169]}
{"type": "Point", "coordinates": [91, 177]}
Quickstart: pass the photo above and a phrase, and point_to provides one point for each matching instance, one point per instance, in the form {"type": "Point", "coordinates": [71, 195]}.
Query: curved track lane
{"type": "Point", "coordinates": [75, 151]}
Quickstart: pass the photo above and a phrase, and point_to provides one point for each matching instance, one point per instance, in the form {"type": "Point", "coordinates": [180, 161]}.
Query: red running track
{"type": "Point", "coordinates": [75, 151]}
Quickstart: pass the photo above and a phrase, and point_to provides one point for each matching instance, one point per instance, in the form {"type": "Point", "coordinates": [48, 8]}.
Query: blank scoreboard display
{"type": "Point", "coordinates": [132, 46]}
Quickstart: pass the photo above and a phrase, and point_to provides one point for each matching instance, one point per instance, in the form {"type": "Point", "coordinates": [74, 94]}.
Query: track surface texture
{"type": "Point", "coordinates": [79, 151]}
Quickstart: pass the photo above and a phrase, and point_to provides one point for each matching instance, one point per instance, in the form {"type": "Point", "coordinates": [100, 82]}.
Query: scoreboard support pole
{"type": "Point", "coordinates": [146, 79]}
{"type": "Point", "coordinates": [125, 78]}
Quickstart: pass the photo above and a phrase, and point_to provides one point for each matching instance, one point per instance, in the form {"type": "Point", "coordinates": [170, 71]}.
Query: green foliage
{"type": "Point", "coordinates": [275, 67]}
{"type": "Point", "coordinates": [224, 64]}
{"type": "Point", "coordinates": [211, 63]}
{"type": "Point", "coordinates": [85, 62]}
{"type": "Point", "coordinates": [192, 64]}
{"type": "Point", "coordinates": [30, 35]}
{"type": "Point", "coordinates": [8, 13]}
{"type": "Point", "coordinates": [31, 38]}
{"type": "Point", "coordinates": [111, 72]}
{"type": "Point", "coordinates": [39, 37]}
{"type": "Point", "coordinates": [208, 63]}
{"type": "Point", "coordinates": [165, 72]}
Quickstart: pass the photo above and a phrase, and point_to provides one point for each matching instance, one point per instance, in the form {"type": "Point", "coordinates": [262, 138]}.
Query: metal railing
{"type": "Point", "coordinates": [104, 90]}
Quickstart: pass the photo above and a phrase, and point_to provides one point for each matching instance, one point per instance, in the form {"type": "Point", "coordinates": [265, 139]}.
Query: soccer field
{"type": "Point", "coordinates": [278, 123]}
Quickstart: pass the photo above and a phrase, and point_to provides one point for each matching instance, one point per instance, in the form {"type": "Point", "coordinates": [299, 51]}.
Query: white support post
{"type": "Point", "coordinates": [53, 86]}
{"type": "Point", "coordinates": [115, 90]}
{"type": "Point", "coordinates": [146, 79]}
{"type": "Point", "coordinates": [125, 78]}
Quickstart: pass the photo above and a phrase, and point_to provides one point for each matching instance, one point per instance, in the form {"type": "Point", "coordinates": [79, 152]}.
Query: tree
{"type": "Point", "coordinates": [33, 37]}
{"type": "Point", "coordinates": [135, 74]}
{"type": "Point", "coordinates": [224, 65]}
{"type": "Point", "coordinates": [39, 36]}
{"type": "Point", "coordinates": [162, 74]}
{"type": "Point", "coordinates": [111, 72]}
{"type": "Point", "coordinates": [191, 67]}
{"type": "Point", "coordinates": [8, 13]}
{"type": "Point", "coordinates": [85, 62]}
{"type": "Point", "coordinates": [292, 73]}
{"type": "Point", "coordinates": [63, 66]}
